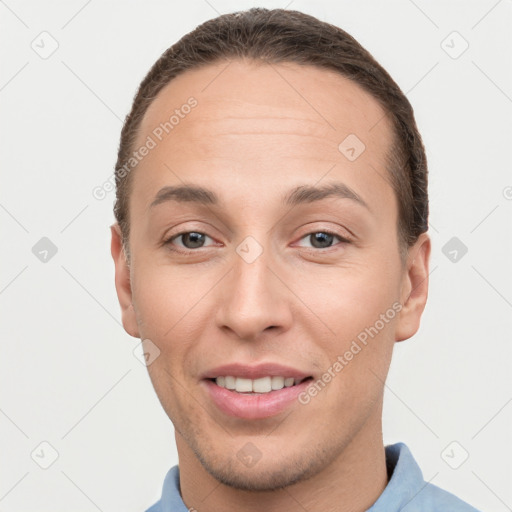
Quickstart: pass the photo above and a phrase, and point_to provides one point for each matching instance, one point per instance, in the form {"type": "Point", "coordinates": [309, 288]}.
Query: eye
{"type": "Point", "coordinates": [189, 240]}
{"type": "Point", "coordinates": [323, 239]}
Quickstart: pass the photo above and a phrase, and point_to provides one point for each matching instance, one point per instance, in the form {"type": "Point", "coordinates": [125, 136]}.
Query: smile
{"type": "Point", "coordinates": [256, 386]}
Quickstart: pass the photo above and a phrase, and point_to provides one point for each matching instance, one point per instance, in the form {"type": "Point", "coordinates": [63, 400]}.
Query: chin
{"type": "Point", "coordinates": [269, 475]}
{"type": "Point", "coordinates": [263, 479]}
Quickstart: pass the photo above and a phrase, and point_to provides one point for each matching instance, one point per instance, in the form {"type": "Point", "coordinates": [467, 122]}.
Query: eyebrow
{"type": "Point", "coordinates": [185, 193]}
{"type": "Point", "coordinates": [310, 194]}
{"type": "Point", "coordinates": [299, 195]}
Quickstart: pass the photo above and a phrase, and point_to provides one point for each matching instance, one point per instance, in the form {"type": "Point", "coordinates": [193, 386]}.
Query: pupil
{"type": "Point", "coordinates": [318, 238]}
{"type": "Point", "coordinates": [195, 239]}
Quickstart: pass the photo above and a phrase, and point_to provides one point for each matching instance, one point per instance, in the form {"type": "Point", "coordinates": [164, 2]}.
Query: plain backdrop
{"type": "Point", "coordinates": [70, 376]}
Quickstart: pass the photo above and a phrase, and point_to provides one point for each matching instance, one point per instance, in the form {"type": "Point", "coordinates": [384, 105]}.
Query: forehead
{"type": "Point", "coordinates": [253, 89]}
{"type": "Point", "coordinates": [255, 121]}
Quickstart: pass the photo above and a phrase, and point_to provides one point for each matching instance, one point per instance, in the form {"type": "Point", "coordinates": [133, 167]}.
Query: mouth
{"type": "Point", "coordinates": [254, 392]}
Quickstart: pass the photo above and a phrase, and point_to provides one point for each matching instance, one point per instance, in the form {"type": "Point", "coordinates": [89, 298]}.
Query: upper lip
{"type": "Point", "coordinates": [254, 371]}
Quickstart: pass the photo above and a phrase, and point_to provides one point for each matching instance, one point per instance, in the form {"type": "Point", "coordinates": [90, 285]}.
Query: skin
{"type": "Point", "coordinates": [252, 138]}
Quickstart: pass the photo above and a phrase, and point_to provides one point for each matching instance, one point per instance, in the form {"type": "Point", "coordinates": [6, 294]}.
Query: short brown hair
{"type": "Point", "coordinates": [277, 36]}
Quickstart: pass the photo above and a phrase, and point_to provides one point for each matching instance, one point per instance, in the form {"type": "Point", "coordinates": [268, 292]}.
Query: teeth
{"type": "Point", "coordinates": [229, 382]}
{"type": "Point", "coordinates": [277, 383]}
{"type": "Point", "coordinates": [261, 385]}
{"type": "Point", "coordinates": [243, 385]}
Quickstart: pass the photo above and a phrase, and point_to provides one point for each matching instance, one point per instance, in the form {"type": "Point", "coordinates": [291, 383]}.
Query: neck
{"type": "Point", "coordinates": [353, 482]}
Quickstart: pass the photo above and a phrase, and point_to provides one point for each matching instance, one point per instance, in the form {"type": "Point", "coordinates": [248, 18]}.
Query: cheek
{"type": "Point", "coordinates": [359, 306]}
{"type": "Point", "coordinates": [171, 314]}
{"type": "Point", "coordinates": [347, 300]}
{"type": "Point", "coordinates": [165, 299]}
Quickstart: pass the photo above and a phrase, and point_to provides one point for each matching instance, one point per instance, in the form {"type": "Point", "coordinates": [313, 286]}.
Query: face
{"type": "Point", "coordinates": [272, 275]}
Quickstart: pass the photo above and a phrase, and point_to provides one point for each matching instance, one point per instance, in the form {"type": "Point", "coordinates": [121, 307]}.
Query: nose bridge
{"type": "Point", "coordinates": [253, 298]}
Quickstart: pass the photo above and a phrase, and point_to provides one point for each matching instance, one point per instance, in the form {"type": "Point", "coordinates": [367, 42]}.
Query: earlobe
{"type": "Point", "coordinates": [122, 282]}
{"type": "Point", "coordinates": [414, 288]}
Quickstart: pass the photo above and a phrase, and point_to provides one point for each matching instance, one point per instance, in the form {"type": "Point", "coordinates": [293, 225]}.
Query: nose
{"type": "Point", "coordinates": [254, 298]}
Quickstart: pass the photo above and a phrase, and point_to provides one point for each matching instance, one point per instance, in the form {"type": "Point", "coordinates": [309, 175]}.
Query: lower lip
{"type": "Point", "coordinates": [253, 406]}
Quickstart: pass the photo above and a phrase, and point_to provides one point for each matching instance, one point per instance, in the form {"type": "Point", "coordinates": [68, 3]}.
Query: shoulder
{"type": "Point", "coordinates": [407, 490]}
{"type": "Point", "coordinates": [171, 498]}
{"type": "Point", "coordinates": [436, 499]}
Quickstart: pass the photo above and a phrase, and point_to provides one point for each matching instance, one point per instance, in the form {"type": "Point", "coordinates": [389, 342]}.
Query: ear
{"type": "Point", "coordinates": [122, 280]}
{"type": "Point", "coordinates": [414, 290]}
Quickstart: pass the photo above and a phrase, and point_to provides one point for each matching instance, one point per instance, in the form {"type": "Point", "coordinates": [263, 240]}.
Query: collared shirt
{"type": "Point", "coordinates": [406, 490]}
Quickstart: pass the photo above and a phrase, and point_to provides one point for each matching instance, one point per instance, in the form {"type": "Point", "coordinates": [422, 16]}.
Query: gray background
{"type": "Point", "coordinates": [70, 377]}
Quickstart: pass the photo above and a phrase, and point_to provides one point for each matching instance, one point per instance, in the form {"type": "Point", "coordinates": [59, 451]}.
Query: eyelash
{"type": "Point", "coordinates": [168, 241]}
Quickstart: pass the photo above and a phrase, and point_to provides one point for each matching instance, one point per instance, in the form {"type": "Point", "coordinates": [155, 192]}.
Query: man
{"type": "Point", "coordinates": [270, 248]}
